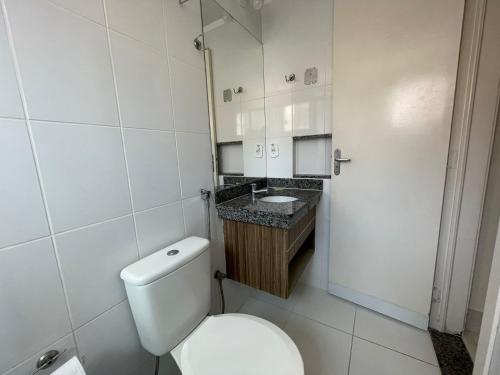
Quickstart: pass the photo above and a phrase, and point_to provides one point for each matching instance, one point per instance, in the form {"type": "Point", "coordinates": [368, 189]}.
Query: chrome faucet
{"type": "Point", "coordinates": [254, 186]}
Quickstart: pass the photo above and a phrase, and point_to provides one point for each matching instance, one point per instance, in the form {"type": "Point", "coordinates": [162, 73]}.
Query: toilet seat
{"type": "Point", "coordinates": [238, 344]}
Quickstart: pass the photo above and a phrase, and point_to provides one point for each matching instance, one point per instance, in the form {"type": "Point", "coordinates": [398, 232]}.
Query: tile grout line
{"type": "Point", "coordinates": [85, 226]}
{"type": "Point", "coordinates": [23, 361]}
{"type": "Point", "coordinates": [340, 330]}
{"type": "Point", "coordinates": [174, 122]}
{"type": "Point", "coordinates": [396, 351]}
{"type": "Point", "coordinates": [36, 162]}
{"type": "Point", "coordinates": [120, 121]}
{"type": "Point", "coordinates": [352, 342]}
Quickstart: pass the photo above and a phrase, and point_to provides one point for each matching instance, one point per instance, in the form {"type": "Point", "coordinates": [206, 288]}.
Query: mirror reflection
{"type": "Point", "coordinates": [235, 83]}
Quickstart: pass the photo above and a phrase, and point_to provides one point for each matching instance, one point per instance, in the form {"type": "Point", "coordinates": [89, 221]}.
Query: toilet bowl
{"type": "Point", "coordinates": [169, 294]}
{"type": "Point", "coordinates": [238, 344]}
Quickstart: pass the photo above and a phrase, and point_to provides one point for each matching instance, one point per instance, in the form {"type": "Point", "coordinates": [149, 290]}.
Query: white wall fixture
{"type": "Point", "coordinates": [274, 150]}
{"type": "Point", "coordinates": [392, 117]}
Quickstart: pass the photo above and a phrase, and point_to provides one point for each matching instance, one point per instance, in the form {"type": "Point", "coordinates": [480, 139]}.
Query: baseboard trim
{"type": "Point", "coordinates": [407, 316]}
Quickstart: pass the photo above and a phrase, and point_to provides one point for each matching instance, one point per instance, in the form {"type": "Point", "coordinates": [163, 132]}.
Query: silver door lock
{"type": "Point", "coordinates": [337, 159]}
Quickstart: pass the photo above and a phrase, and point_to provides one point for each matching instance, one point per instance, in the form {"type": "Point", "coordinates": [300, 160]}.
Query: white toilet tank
{"type": "Point", "coordinates": [169, 293]}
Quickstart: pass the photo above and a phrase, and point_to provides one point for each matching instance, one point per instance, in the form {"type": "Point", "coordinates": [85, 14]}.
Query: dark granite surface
{"type": "Point", "coordinates": [313, 136]}
{"type": "Point", "coordinates": [227, 192]}
{"type": "Point", "coordinates": [279, 215]}
{"type": "Point", "coordinates": [452, 355]}
{"type": "Point", "coordinates": [321, 176]}
{"type": "Point", "coordinates": [233, 180]}
{"type": "Point", "coordinates": [296, 183]}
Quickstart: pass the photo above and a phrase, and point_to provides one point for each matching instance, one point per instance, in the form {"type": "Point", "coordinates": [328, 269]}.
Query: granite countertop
{"type": "Point", "coordinates": [279, 215]}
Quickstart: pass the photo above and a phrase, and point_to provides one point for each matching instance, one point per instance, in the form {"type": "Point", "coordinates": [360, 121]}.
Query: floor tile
{"type": "Point", "coordinates": [394, 335]}
{"type": "Point", "coordinates": [325, 350]}
{"type": "Point", "coordinates": [287, 304]}
{"type": "Point", "coordinates": [266, 311]}
{"type": "Point", "coordinates": [369, 358]}
{"type": "Point", "coordinates": [321, 306]}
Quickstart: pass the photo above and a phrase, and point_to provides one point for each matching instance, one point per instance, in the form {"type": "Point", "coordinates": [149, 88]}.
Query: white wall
{"type": "Point", "coordinates": [297, 35]}
{"type": "Point", "coordinates": [488, 231]}
{"type": "Point", "coordinates": [100, 110]}
{"type": "Point", "coordinates": [481, 136]}
{"type": "Point", "coordinates": [245, 13]}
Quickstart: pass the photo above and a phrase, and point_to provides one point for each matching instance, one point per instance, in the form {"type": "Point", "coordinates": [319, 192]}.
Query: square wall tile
{"type": "Point", "coordinates": [309, 111]}
{"type": "Point", "coordinates": [253, 119]}
{"type": "Point", "coordinates": [21, 205]}
{"type": "Point", "coordinates": [159, 227]}
{"type": "Point", "coordinates": [195, 216]}
{"type": "Point", "coordinates": [281, 163]}
{"type": "Point", "coordinates": [279, 116]}
{"type": "Point", "coordinates": [290, 27]}
{"type": "Point", "coordinates": [325, 350]}
{"type": "Point", "coordinates": [110, 343]}
{"type": "Point", "coordinates": [195, 163]}
{"type": "Point", "coordinates": [10, 99]}
{"type": "Point", "coordinates": [65, 64]}
{"type": "Point", "coordinates": [32, 302]}
{"type": "Point", "coordinates": [253, 163]}
{"type": "Point", "coordinates": [142, 20]}
{"type": "Point", "coordinates": [152, 161]}
{"type": "Point", "coordinates": [228, 124]}
{"type": "Point", "coordinates": [91, 261]}
{"type": "Point", "coordinates": [92, 9]}
{"type": "Point", "coordinates": [66, 344]}
{"type": "Point", "coordinates": [369, 358]}
{"type": "Point", "coordinates": [143, 85]}
{"type": "Point", "coordinates": [83, 172]}
{"type": "Point", "coordinates": [183, 25]}
{"type": "Point", "coordinates": [189, 97]}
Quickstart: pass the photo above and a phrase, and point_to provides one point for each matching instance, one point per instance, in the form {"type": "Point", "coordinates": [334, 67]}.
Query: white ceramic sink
{"type": "Point", "coordinates": [278, 199]}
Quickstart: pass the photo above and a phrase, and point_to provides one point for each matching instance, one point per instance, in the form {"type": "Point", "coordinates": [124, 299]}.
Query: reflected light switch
{"type": "Point", "coordinates": [275, 151]}
{"type": "Point", "coordinates": [259, 150]}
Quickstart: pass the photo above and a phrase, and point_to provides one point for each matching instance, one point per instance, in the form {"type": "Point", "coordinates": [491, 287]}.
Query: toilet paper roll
{"type": "Point", "coordinates": [72, 367]}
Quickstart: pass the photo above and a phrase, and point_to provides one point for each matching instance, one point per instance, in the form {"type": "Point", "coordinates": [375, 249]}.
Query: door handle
{"type": "Point", "coordinates": [337, 159]}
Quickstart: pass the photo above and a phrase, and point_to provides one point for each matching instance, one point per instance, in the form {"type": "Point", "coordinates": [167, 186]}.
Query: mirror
{"type": "Point", "coordinates": [235, 82]}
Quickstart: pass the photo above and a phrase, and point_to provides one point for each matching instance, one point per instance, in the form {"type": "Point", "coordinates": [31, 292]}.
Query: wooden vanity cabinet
{"type": "Point", "coordinates": [267, 258]}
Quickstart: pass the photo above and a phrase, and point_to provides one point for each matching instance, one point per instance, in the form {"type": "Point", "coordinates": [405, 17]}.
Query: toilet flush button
{"type": "Point", "coordinates": [172, 252]}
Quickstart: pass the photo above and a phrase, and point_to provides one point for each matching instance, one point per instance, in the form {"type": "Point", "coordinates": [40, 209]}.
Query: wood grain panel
{"type": "Point", "coordinates": [262, 257]}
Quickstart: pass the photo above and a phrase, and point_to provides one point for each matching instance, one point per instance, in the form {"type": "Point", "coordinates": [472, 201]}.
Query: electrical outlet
{"type": "Point", "coordinates": [275, 150]}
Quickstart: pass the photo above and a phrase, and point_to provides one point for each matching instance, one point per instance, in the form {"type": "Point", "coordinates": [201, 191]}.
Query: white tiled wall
{"type": "Point", "coordinates": [297, 35]}
{"type": "Point", "coordinates": [104, 147]}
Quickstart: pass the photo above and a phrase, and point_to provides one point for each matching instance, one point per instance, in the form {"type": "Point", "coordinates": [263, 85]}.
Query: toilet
{"type": "Point", "coordinates": [169, 294]}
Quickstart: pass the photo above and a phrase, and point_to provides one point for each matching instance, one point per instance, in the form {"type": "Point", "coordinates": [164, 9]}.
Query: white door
{"type": "Point", "coordinates": [394, 71]}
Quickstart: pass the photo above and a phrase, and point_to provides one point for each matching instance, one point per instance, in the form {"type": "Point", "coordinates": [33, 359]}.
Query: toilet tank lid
{"type": "Point", "coordinates": [163, 262]}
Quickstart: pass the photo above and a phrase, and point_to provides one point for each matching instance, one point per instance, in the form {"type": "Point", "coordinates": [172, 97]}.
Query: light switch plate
{"type": "Point", "coordinates": [259, 150]}
{"type": "Point", "coordinates": [311, 76]}
{"type": "Point", "coordinates": [228, 95]}
{"type": "Point", "coordinates": [275, 150]}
